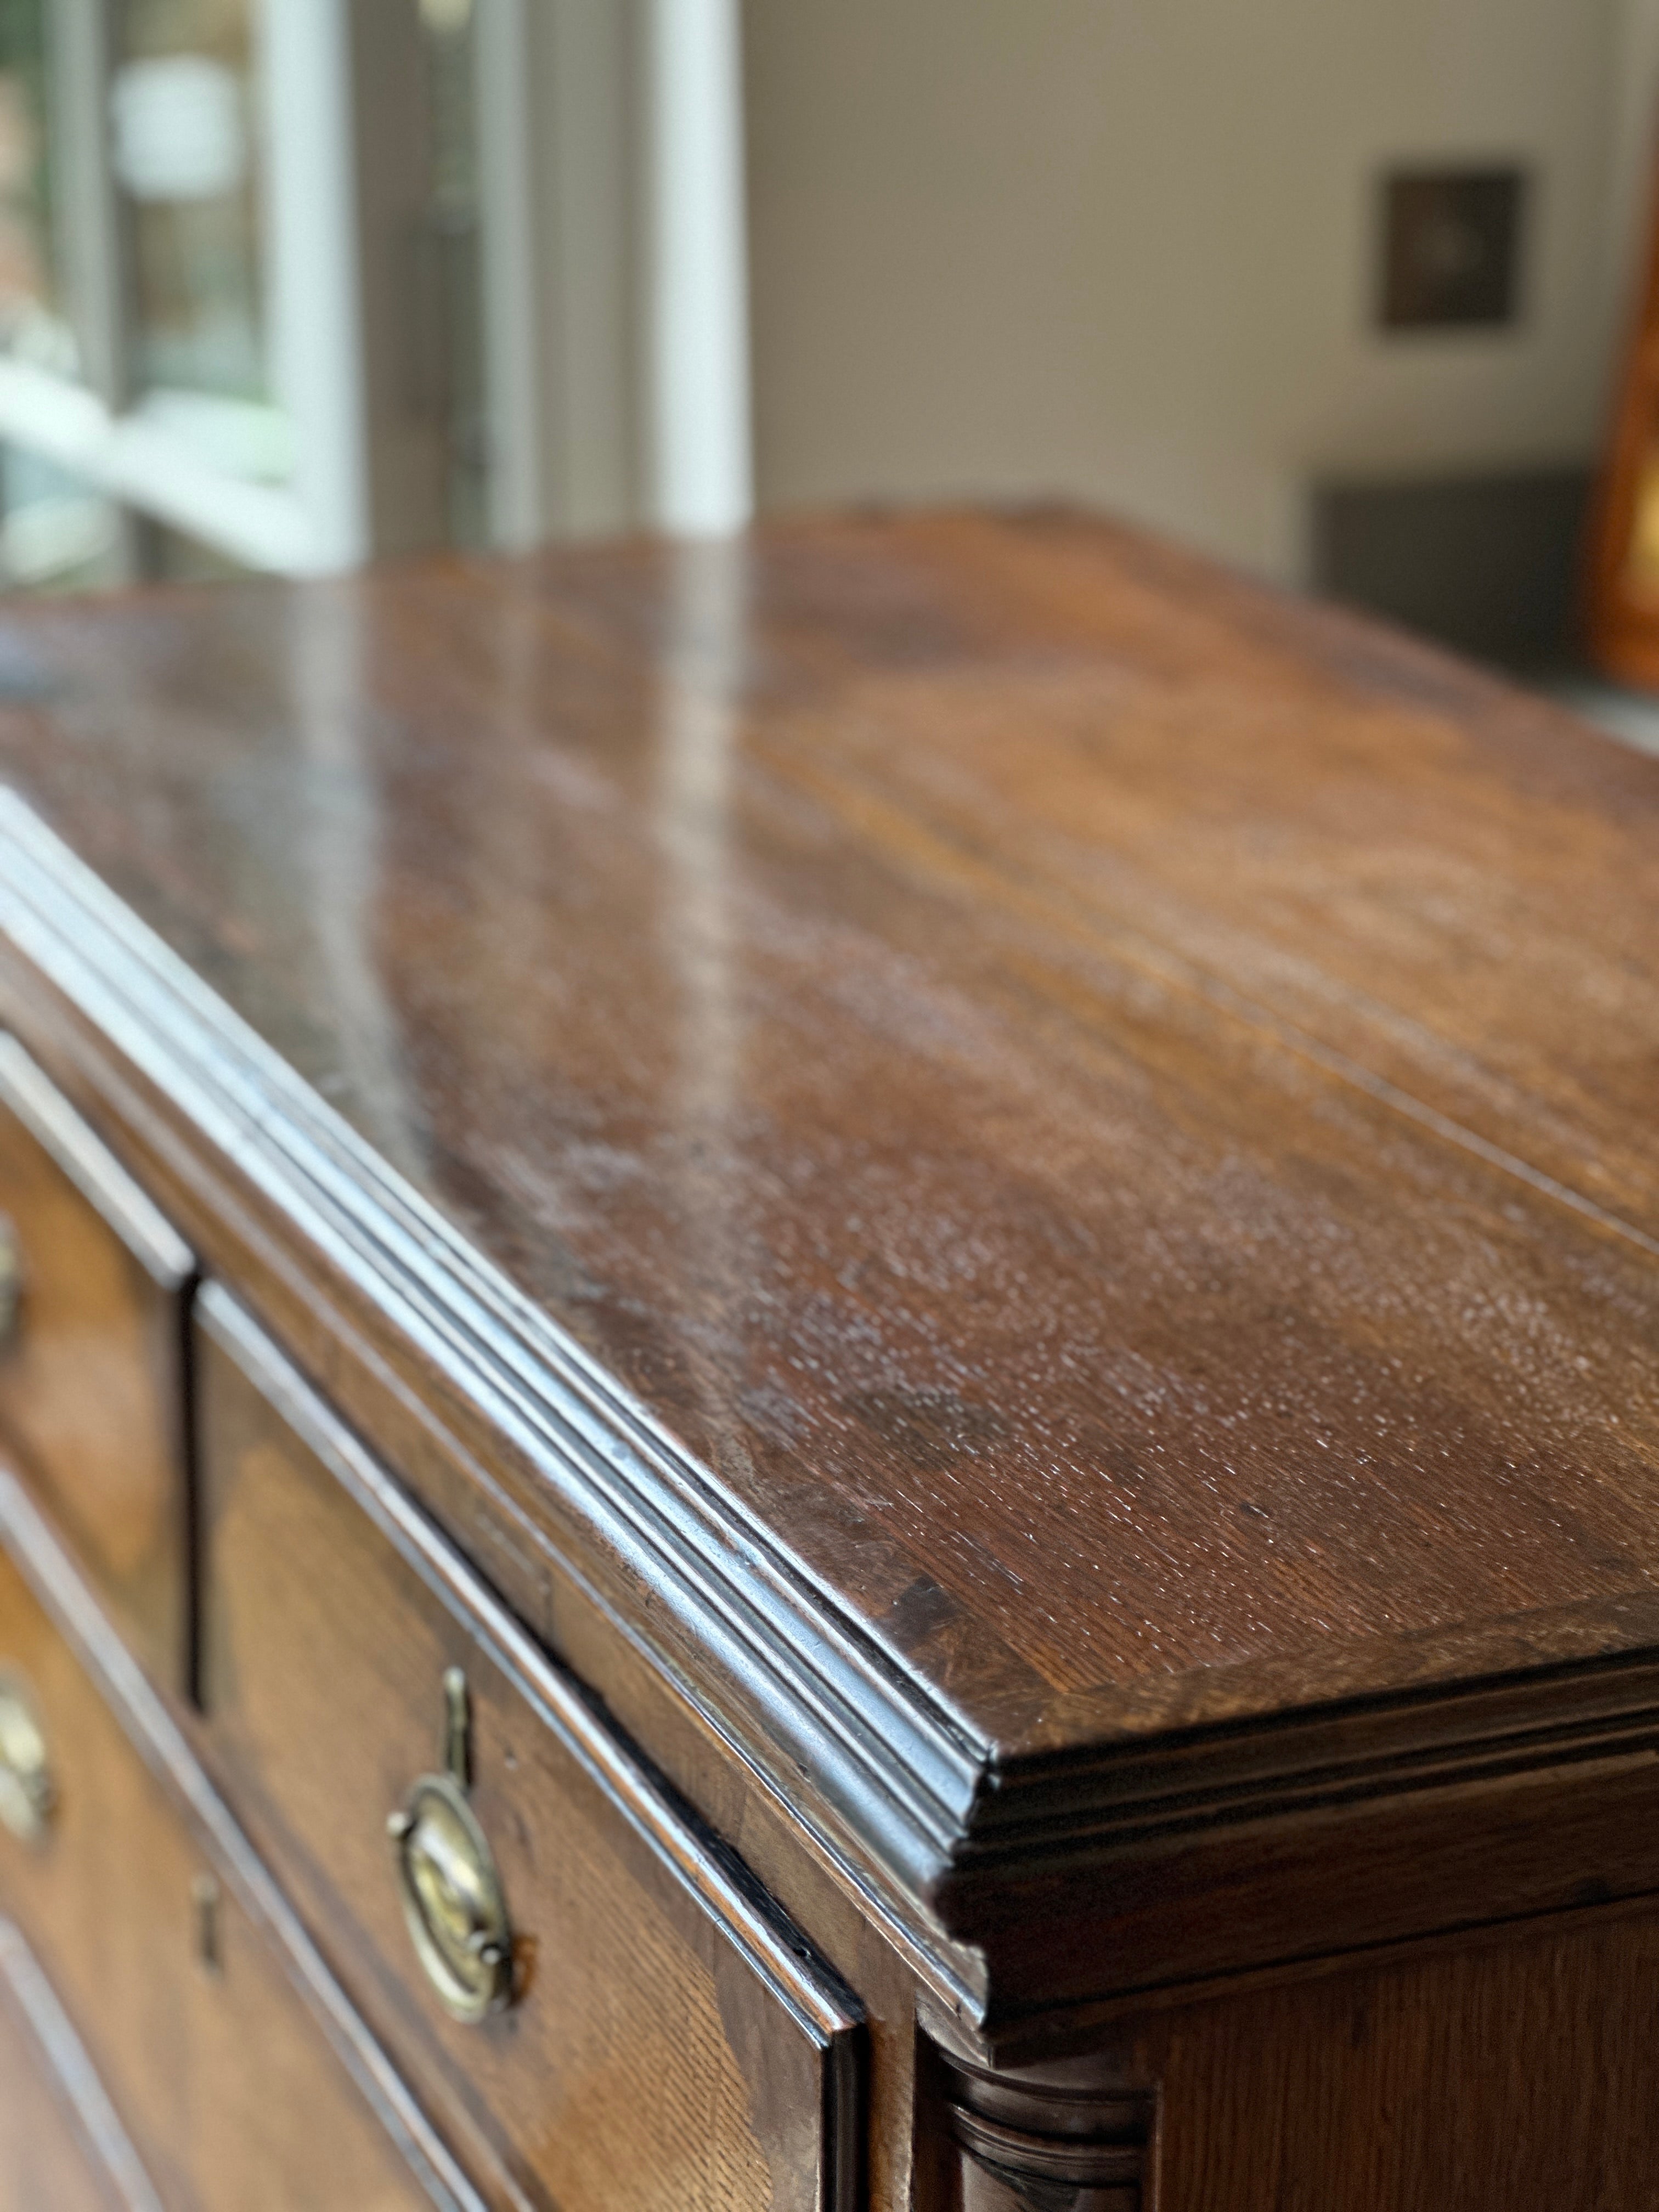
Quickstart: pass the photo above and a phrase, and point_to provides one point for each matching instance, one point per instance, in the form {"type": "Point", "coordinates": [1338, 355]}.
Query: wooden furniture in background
{"type": "Point", "coordinates": [1622, 577]}
{"type": "Point", "coordinates": [898, 1447]}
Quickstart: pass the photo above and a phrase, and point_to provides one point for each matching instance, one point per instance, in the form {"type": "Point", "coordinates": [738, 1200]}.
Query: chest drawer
{"type": "Point", "coordinates": [140, 1918]}
{"type": "Point", "coordinates": [62, 2149]}
{"type": "Point", "coordinates": [657, 2037]}
{"type": "Point", "coordinates": [94, 1283]}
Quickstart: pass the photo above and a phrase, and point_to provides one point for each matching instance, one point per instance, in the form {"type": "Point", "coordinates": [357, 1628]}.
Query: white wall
{"type": "Point", "coordinates": [1122, 250]}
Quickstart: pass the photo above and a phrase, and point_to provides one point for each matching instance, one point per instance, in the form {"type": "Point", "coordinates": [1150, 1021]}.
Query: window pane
{"type": "Point", "coordinates": [186, 153]}
{"type": "Point", "coordinates": [33, 324]}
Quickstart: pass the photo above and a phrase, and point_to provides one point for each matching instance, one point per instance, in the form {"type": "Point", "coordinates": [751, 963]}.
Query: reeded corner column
{"type": "Point", "coordinates": [1052, 2139]}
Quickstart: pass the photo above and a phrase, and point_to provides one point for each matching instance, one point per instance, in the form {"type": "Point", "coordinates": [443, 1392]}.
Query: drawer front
{"type": "Point", "coordinates": [92, 1353]}
{"type": "Point", "coordinates": [667, 2041]}
{"type": "Point", "coordinates": [62, 2147]}
{"type": "Point", "coordinates": [229, 2089]}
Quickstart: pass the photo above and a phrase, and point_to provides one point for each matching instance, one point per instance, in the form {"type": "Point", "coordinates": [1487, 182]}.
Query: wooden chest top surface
{"type": "Point", "coordinates": [1109, 1110]}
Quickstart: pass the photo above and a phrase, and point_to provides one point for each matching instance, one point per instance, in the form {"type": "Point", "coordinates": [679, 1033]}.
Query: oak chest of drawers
{"type": "Point", "coordinates": [827, 1381]}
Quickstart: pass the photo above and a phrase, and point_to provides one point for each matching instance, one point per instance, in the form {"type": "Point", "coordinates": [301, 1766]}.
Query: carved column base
{"type": "Point", "coordinates": [1048, 2142]}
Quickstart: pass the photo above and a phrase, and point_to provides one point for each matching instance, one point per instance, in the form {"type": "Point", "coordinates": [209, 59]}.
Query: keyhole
{"type": "Point", "coordinates": [204, 1902]}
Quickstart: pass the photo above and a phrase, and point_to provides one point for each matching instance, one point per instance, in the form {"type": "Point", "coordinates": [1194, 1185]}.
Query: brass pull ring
{"type": "Point", "coordinates": [449, 1883]}
{"type": "Point", "coordinates": [26, 1786]}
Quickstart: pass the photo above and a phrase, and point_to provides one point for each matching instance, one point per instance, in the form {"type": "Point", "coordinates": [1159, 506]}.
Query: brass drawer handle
{"type": "Point", "coordinates": [26, 1787]}
{"type": "Point", "coordinates": [448, 1879]}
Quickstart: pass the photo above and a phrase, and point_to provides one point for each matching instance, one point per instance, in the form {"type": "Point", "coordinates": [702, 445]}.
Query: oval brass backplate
{"type": "Point", "coordinates": [453, 1898]}
{"type": "Point", "coordinates": [26, 1789]}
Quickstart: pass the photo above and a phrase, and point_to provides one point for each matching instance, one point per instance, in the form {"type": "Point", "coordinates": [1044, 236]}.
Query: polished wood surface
{"type": "Point", "coordinates": [981, 1166]}
{"type": "Point", "coordinates": [1017, 1047]}
{"type": "Point", "coordinates": [92, 1368]}
{"type": "Point", "coordinates": [1073, 2133]}
{"type": "Point", "coordinates": [1509, 2068]}
{"type": "Point", "coordinates": [643, 1955]}
{"type": "Point", "coordinates": [62, 2147]}
{"type": "Point", "coordinates": [1517, 2074]}
{"type": "Point", "coordinates": [983, 1255]}
{"type": "Point", "coordinates": [234, 2100]}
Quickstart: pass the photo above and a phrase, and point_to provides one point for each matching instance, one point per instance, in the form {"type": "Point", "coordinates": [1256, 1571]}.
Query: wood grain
{"type": "Point", "coordinates": [949, 1217]}
{"type": "Point", "coordinates": [670, 2040]}
{"type": "Point", "coordinates": [1021, 1162]}
{"type": "Point", "coordinates": [91, 1380]}
{"type": "Point", "coordinates": [232, 2096]}
{"type": "Point", "coordinates": [1512, 2076]}
{"type": "Point", "coordinates": [62, 2147]}
{"type": "Point", "coordinates": [1031, 2142]}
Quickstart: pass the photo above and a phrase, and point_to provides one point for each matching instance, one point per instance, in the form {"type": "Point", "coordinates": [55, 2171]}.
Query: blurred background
{"type": "Point", "coordinates": [1333, 289]}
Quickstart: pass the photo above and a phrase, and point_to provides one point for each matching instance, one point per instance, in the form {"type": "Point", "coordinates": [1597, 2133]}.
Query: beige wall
{"type": "Point", "coordinates": [1120, 250]}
